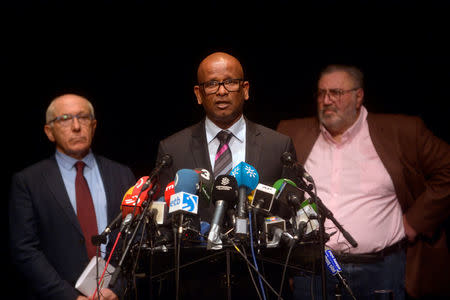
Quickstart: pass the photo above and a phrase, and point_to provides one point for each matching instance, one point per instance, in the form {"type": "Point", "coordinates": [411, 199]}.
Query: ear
{"type": "Point", "coordinates": [94, 126]}
{"type": "Point", "coordinates": [246, 88]}
{"type": "Point", "coordinates": [198, 94]}
{"type": "Point", "coordinates": [359, 98]}
{"type": "Point", "coordinates": [49, 132]}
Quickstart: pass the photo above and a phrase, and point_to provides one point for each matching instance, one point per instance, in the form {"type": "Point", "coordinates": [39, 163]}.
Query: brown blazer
{"type": "Point", "coordinates": [419, 165]}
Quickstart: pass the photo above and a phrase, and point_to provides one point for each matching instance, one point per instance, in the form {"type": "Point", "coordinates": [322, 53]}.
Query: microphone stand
{"type": "Point", "coordinates": [133, 235]}
{"type": "Point", "coordinates": [324, 213]}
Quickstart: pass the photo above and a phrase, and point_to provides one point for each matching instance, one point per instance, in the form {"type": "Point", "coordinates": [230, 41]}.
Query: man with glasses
{"type": "Point", "coordinates": [222, 90]}
{"type": "Point", "coordinates": [386, 180]}
{"type": "Point", "coordinates": [57, 204]}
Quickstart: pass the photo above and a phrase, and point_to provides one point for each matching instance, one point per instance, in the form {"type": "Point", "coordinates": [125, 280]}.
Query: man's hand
{"type": "Point", "coordinates": [410, 232]}
{"type": "Point", "coordinates": [106, 294]}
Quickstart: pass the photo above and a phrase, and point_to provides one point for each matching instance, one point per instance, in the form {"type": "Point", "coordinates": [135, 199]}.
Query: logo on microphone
{"type": "Point", "coordinates": [183, 201]}
{"type": "Point", "coordinates": [250, 171]}
{"type": "Point", "coordinates": [225, 181]}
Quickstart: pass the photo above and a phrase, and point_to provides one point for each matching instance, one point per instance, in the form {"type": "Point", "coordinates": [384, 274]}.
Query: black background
{"type": "Point", "coordinates": [136, 61]}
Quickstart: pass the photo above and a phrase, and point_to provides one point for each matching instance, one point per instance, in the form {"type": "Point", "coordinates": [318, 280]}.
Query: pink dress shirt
{"type": "Point", "coordinates": [353, 183]}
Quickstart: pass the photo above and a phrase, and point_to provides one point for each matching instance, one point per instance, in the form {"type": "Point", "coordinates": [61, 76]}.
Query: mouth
{"type": "Point", "coordinates": [222, 104]}
{"type": "Point", "coordinates": [78, 139]}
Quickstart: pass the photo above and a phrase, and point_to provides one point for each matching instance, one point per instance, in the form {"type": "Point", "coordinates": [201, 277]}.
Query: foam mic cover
{"type": "Point", "coordinates": [247, 179]}
{"type": "Point", "coordinates": [246, 176]}
{"type": "Point", "coordinates": [224, 193]}
{"type": "Point", "coordinates": [186, 180]}
{"type": "Point", "coordinates": [288, 200]}
{"type": "Point", "coordinates": [205, 186]}
{"type": "Point", "coordinates": [169, 191]}
{"type": "Point", "coordinates": [130, 201]}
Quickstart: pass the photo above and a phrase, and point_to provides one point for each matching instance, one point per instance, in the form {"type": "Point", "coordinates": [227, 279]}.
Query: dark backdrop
{"type": "Point", "coordinates": [136, 61]}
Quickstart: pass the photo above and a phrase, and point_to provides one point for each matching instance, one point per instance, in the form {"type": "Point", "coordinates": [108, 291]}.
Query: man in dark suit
{"type": "Point", "coordinates": [385, 177]}
{"type": "Point", "coordinates": [50, 237]}
{"type": "Point", "coordinates": [222, 91]}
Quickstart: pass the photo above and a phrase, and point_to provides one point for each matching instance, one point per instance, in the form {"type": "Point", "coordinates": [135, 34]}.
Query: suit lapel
{"type": "Point", "coordinates": [386, 147]}
{"type": "Point", "coordinates": [199, 147]}
{"type": "Point", "coordinates": [54, 180]}
{"type": "Point", "coordinates": [253, 145]}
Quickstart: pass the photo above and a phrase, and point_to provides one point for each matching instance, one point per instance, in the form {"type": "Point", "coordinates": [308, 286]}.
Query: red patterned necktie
{"type": "Point", "coordinates": [85, 209]}
{"type": "Point", "coordinates": [223, 162]}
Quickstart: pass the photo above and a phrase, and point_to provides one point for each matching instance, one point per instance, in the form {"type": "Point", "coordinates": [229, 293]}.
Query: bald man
{"type": "Point", "coordinates": [50, 245]}
{"type": "Point", "coordinates": [222, 91]}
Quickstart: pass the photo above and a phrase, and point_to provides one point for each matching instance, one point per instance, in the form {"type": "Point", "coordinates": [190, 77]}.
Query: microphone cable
{"type": "Point", "coordinates": [106, 266]}
{"type": "Point", "coordinates": [253, 254]}
{"type": "Point", "coordinates": [251, 265]}
{"type": "Point", "coordinates": [284, 269]}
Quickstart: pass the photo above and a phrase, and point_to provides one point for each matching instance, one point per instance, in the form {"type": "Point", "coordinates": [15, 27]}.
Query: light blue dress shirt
{"type": "Point", "coordinates": [92, 174]}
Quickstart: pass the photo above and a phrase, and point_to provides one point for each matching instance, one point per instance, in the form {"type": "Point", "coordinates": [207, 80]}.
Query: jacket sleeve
{"type": "Point", "coordinates": [432, 206]}
{"type": "Point", "coordinates": [26, 249]}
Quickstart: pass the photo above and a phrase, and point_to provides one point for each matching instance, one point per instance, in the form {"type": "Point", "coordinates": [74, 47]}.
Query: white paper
{"type": "Point", "coordinates": [87, 282]}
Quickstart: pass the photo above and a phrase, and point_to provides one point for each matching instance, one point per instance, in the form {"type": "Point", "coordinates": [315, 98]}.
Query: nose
{"type": "Point", "coordinates": [75, 124]}
{"type": "Point", "coordinates": [222, 90]}
{"type": "Point", "coordinates": [326, 99]}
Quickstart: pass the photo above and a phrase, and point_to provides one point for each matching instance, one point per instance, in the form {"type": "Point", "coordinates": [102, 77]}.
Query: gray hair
{"type": "Point", "coordinates": [352, 71]}
{"type": "Point", "coordinates": [50, 113]}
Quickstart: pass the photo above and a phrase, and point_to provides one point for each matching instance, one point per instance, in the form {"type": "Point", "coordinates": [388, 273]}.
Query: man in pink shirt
{"type": "Point", "coordinates": [386, 179]}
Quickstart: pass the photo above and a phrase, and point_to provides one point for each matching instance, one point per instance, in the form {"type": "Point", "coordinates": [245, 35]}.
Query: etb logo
{"type": "Point", "coordinates": [183, 202]}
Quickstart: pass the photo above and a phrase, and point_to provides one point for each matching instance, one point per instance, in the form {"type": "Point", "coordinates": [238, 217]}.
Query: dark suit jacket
{"type": "Point", "coordinates": [419, 166]}
{"type": "Point", "coordinates": [47, 243]}
{"type": "Point", "coordinates": [263, 151]}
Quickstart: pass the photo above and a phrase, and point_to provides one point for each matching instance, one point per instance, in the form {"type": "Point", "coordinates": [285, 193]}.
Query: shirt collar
{"type": "Point", "coordinates": [68, 162]}
{"type": "Point", "coordinates": [237, 129]}
{"type": "Point", "coordinates": [350, 132]}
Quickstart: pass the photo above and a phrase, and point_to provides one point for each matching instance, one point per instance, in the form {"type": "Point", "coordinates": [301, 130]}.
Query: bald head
{"type": "Point", "coordinates": [50, 114]}
{"type": "Point", "coordinates": [219, 60]}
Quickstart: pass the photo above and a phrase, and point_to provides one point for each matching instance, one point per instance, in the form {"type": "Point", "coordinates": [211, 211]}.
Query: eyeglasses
{"type": "Point", "coordinates": [66, 119]}
{"type": "Point", "coordinates": [333, 94]}
{"type": "Point", "coordinates": [212, 86]}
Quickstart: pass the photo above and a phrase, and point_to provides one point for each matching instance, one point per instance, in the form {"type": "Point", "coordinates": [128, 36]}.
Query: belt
{"type": "Point", "coordinates": [367, 258]}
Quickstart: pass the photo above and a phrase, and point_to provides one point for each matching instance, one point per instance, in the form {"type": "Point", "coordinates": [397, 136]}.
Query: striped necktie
{"type": "Point", "coordinates": [85, 209]}
{"type": "Point", "coordinates": [223, 162]}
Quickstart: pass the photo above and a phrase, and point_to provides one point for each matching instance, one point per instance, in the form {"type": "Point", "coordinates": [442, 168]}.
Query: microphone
{"type": "Point", "coordinates": [224, 192]}
{"type": "Point", "coordinates": [205, 185]}
{"type": "Point", "coordinates": [288, 199]}
{"type": "Point", "coordinates": [307, 214]}
{"type": "Point", "coordinates": [101, 238]}
{"type": "Point", "coordinates": [289, 161]}
{"type": "Point", "coordinates": [335, 269]}
{"type": "Point", "coordinates": [163, 162]}
{"type": "Point", "coordinates": [130, 202]}
{"type": "Point", "coordinates": [169, 191]}
{"type": "Point", "coordinates": [184, 202]}
{"type": "Point", "coordinates": [247, 179]}
{"type": "Point", "coordinates": [270, 224]}
{"type": "Point", "coordinates": [263, 197]}
{"type": "Point", "coordinates": [160, 211]}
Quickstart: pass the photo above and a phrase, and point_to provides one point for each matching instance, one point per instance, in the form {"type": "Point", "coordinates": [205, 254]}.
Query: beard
{"type": "Point", "coordinates": [338, 121]}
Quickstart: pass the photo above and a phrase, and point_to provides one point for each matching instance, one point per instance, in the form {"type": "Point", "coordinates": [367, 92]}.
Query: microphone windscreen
{"type": "Point", "coordinates": [205, 186]}
{"type": "Point", "coordinates": [284, 206]}
{"type": "Point", "coordinates": [169, 191]}
{"type": "Point", "coordinates": [225, 188]}
{"type": "Point", "coordinates": [130, 201]}
{"type": "Point", "coordinates": [186, 180]}
{"type": "Point", "coordinates": [279, 182]}
{"type": "Point", "coordinates": [246, 175]}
